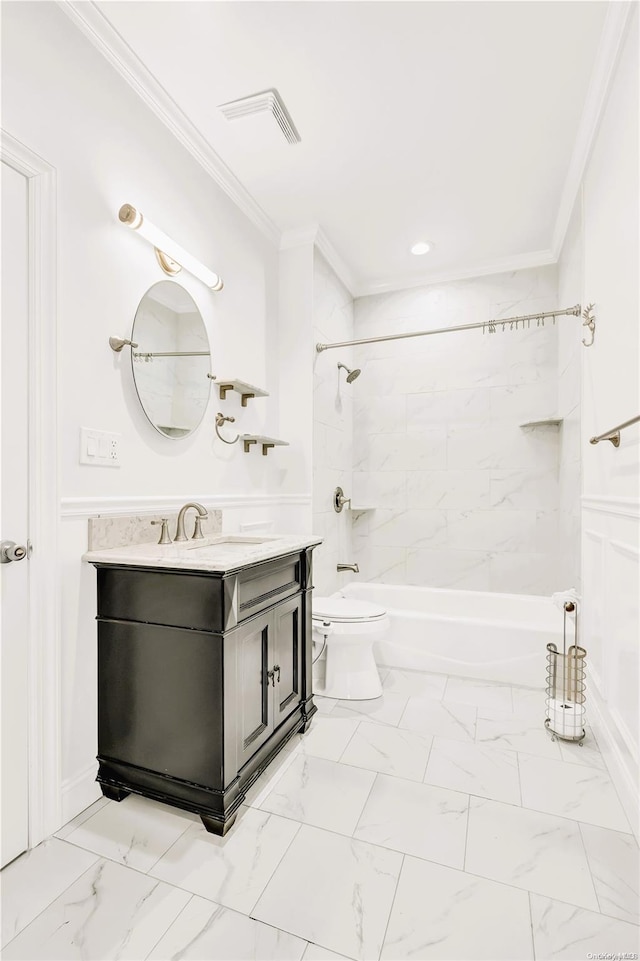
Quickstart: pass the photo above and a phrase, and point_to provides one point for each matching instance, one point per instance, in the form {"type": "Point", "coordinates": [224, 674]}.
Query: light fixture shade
{"type": "Point", "coordinates": [164, 245]}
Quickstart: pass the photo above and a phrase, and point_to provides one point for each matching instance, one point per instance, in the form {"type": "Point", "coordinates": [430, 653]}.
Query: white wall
{"type": "Point", "coordinates": [332, 427]}
{"type": "Point", "coordinates": [463, 496]}
{"type": "Point", "coordinates": [63, 101]}
{"type": "Point", "coordinates": [611, 486]}
{"type": "Point", "coordinates": [570, 350]}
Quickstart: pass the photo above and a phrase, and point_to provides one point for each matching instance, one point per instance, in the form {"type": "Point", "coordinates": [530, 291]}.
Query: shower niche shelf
{"type": "Point", "coordinates": [248, 440]}
{"type": "Point", "coordinates": [246, 391]}
{"type": "Point", "coordinates": [547, 422]}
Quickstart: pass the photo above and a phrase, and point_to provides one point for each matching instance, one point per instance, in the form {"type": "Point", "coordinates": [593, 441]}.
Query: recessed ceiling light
{"type": "Point", "coordinates": [422, 247]}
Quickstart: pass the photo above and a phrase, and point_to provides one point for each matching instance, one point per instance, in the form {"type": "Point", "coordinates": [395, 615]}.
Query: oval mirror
{"type": "Point", "coordinates": [171, 359]}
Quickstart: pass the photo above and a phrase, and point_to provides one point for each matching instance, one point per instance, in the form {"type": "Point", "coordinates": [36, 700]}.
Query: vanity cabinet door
{"type": "Point", "coordinates": [287, 658]}
{"type": "Point", "coordinates": [254, 709]}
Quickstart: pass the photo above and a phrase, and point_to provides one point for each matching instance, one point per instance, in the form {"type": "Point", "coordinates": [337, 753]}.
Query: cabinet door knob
{"type": "Point", "coordinates": [276, 667]}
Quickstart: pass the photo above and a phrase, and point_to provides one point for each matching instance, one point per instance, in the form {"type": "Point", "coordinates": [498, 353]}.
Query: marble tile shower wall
{"type": "Point", "coordinates": [332, 422]}
{"type": "Point", "coordinates": [464, 497]}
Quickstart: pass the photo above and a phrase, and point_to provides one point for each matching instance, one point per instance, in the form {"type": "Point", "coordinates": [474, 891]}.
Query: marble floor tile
{"type": "Point", "coordinates": [109, 912]}
{"type": "Point", "coordinates": [315, 953]}
{"type": "Point", "coordinates": [529, 703]}
{"type": "Point", "coordinates": [386, 709]}
{"type": "Point", "coordinates": [389, 750]}
{"type": "Point", "coordinates": [135, 832]}
{"type": "Point", "coordinates": [440, 914]}
{"type": "Point", "coordinates": [538, 852]}
{"type": "Point", "coordinates": [232, 870]}
{"type": "Point", "coordinates": [415, 683]}
{"type": "Point", "coordinates": [503, 729]}
{"type": "Point", "coordinates": [586, 752]}
{"type": "Point", "coordinates": [258, 791]}
{"type": "Point", "coordinates": [70, 826]}
{"type": "Point", "coordinates": [322, 793]}
{"type": "Point", "coordinates": [35, 879]}
{"type": "Point", "coordinates": [324, 704]}
{"type": "Point", "coordinates": [334, 891]}
{"type": "Point", "coordinates": [455, 721]}
{"type": "Point", "coordinates": [614, 860]}
{"type": "Point", "coordinates": [572, 791]}
{"type": "Point", "coordinates": [565, 932]}
{"type": "Point", "coordinates": [474, 769]}
{"type": "Point", "coordinates": [208, 932]}
{"type": "Point", "coordinates": [428, 822]}
{"type": "Point", "coordinates": [327, 737]}
{"type": "Point", "coordinates": [463, 690]}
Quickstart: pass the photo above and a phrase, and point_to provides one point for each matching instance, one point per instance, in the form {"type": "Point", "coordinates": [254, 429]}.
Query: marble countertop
{"type": "Point", "coordinates": [219, 554]}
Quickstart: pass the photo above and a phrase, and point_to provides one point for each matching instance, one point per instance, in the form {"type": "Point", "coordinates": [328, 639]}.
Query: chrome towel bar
{"type": "Point", "coordinates": [614, 434]}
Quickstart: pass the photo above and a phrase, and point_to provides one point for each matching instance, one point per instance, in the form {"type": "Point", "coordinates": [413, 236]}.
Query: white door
{"type": "Point", "coordinates": [14, 516]}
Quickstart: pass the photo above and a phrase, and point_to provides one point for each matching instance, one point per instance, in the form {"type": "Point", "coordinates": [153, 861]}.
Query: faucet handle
{"type": "Point", "coordinates": [197, 530]}
{"type": "Point", "coordinates": [164, 531]}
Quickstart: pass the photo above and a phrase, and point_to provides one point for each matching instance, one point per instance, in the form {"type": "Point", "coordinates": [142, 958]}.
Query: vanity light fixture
{"type": "Point", "coordinates": [422, 247]}
{"type": "Point", "coordinates": [171, 257]}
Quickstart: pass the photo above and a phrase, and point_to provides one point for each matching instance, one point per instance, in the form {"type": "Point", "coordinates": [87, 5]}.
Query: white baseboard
{"type": "Point", "coordinates": [618, 758]}
{"type": "Point", "coordinates": [79, 792]}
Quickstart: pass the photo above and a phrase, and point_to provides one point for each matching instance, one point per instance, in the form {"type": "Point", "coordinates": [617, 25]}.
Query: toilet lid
{"type": "Point", "coordinates": [345, 609]}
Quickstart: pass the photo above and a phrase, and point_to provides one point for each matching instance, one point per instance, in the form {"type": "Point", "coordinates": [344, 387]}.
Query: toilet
{"type": "Point", "coordinates": [344, 631]}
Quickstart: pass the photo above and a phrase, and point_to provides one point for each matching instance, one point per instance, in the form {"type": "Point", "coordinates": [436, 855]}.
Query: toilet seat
{"type": "Point", "coordinates": [345, 610]}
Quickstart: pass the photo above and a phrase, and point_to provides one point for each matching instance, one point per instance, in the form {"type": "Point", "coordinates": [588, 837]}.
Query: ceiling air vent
{"type": "Point", "coordinates": [268, 100]}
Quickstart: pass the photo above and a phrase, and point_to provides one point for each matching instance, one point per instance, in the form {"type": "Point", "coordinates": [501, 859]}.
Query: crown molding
{"type": "Point", "coordinates": [336, 262]}
{"type": "Point", "coordinates": [536, 258]}
{"type": "Point", "coordinates": [91, 21]}
{"type": "Point", "coordinates": [93, 24]}
{"type": "Point", "coordinates": [613, 33]}
{"type": "Point", "coordinates": [298, 237]}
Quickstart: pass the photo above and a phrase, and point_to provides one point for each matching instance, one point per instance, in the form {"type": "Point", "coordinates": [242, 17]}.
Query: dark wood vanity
{"type": "Point", "coordinates": [203, 677]}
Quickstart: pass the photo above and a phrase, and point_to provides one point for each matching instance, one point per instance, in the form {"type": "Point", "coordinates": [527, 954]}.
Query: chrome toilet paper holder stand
{"type": "Point", "coordinates": [565, 690]}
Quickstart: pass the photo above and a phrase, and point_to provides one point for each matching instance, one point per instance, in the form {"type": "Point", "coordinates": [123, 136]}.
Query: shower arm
{"type": "Point", "coordinates": [489, 325]}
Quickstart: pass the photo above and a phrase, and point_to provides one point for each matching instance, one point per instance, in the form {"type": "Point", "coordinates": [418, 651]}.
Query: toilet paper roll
{"type": "Point", "coordinates": [565, 718]}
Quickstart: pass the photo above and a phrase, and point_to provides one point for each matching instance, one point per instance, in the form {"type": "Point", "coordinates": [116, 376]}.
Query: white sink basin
{"type": "Point", "coordinates": [225, 541]}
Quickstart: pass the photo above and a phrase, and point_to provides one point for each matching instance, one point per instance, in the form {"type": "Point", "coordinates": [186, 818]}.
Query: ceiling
{"type": "Point", "coordinates": [453, 122]}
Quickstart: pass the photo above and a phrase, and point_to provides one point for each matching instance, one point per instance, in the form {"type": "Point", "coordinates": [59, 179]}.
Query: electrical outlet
{"type": "Point", "coordinates": [99, 448]}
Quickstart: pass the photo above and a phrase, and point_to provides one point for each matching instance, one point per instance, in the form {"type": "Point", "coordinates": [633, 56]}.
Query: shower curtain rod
{"type": "Point", "coordinates": [490, 325]}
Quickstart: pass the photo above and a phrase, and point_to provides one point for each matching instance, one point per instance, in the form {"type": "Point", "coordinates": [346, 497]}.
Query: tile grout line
{"type": "Point", "coordinates": [164, 934]}
{"type": "Point", "coordinates": [466, 834]}
{"type": "Point", "coordinates": [280, 860]}
{"type": "Point", "coordinates": [53, 900]}
{"type": "Point", "coordinates": [533, 937]}
{"type": "Point", "coordinates": [393, 901]}
{"type": "Point", "coordinates": [587, 859]}
{"type": "Point", "coordinates": [353, 734]}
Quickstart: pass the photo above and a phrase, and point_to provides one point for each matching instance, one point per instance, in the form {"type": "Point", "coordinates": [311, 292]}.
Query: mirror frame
{"type": "Point", "coordinates": [136, 351]}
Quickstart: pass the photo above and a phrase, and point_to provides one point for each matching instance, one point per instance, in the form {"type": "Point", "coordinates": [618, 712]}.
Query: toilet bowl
{"type": "Point", "coordinates": [344, 630]}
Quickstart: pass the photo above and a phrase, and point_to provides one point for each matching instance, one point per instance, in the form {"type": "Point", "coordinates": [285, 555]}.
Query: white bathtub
{"type": "Point", "coordinates": [493, 637]}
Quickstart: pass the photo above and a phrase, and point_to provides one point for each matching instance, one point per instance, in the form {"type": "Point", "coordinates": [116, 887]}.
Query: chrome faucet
{"type": "Point", "coordinates": [346, 567]}
{"type": "Point", "coordinates": [200, 516]}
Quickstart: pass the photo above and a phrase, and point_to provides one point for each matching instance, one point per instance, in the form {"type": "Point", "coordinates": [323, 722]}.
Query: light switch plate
{"type": "Point", "coordinates": [100, 448]}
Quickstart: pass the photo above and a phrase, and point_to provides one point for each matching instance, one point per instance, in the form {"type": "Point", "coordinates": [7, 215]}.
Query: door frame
{"type": "Point", "coordinates": [43, 626]}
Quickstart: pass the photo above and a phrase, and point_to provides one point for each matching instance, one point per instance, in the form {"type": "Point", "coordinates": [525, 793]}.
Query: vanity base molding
{"type": "Point", "coordinates": [217, 809]}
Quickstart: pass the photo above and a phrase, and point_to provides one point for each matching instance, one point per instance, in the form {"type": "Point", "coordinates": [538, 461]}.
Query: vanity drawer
{"type": "Point", "coordinates": [198, 601]}
{"type": "Point", "coordinates": [265, 584]}
{"type": "Point", "coordinates": [201, 601]}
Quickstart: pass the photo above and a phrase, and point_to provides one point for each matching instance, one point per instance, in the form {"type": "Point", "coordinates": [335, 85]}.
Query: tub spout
{"type": "Point", "coordinates": [348, 567]}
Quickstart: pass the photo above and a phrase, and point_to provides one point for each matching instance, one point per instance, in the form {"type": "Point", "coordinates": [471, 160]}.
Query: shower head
{"type": "Point", "coordinates": [351, 374]}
